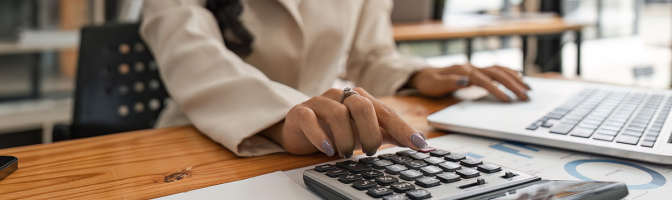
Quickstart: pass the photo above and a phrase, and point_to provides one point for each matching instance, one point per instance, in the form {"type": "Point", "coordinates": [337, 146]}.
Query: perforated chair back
{"type": "Point", "coordinates": [118, 87]}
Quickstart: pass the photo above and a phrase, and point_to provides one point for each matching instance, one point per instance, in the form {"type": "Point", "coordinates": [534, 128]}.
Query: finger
{"type": "Point", "coordinates": [517, 77]}
{"type": "Point", "coordinates": [396, 126]}
{"type": "Point", "coordinates": [363, 113]}
{"type": "Point", "coordinates": [305, 119]}
{"type": "Point", "coordinates": [505, 79]}
{"type": "Point", "coordinates": [452, 82]}
{"type": "Point", "coordinates": [480, 79]}
{"type": "Point", "coordinates": [338, 118]}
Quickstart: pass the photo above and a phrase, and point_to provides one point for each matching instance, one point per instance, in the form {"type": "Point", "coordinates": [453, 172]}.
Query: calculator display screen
{"type": "Point", "coordinates": [552, 190]}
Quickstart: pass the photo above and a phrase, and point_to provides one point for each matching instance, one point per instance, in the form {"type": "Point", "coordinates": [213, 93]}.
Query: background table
{"type": "Point", "coordinates": [154, 163]}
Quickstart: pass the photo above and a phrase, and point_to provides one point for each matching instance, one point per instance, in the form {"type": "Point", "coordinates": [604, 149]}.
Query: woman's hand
{"type": "Point", "coordinates": [361, 121]}
{"type": "Point", "coordinates": [441, 81]}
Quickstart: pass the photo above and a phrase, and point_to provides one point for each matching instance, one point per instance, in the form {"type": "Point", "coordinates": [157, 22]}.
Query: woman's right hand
{"type": "Point", "coordinates": [361, 121]}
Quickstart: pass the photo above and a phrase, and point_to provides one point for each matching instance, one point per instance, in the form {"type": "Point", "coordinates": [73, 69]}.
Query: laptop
{"type": "Point", "coordinates": [626, 122]}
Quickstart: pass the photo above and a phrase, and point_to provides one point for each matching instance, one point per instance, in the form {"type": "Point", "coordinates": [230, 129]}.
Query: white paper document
{"type": "Point", "coordinates": [644, 180]}
{"type": "Point", "coordinates": [275, 185]}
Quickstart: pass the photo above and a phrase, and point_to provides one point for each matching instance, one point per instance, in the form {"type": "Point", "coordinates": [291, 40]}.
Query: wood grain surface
{"type": "Point", "coordinates": [160, 162]}
{"type": "Point", "coordinates": [436, 30]}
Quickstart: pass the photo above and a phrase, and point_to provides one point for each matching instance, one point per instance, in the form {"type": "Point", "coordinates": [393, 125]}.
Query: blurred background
{"type": "Point", "coordinates": [625, 42]}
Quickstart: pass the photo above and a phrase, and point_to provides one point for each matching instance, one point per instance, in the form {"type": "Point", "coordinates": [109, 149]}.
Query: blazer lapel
{"type": "Point", "coordinates": [293, 8]}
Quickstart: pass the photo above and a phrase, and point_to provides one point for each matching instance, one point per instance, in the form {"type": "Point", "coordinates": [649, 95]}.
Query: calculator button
{"type": "Point", "coordinates": [344, 164]}
{"type": "Point", "coordinates": [406, 152]}
{"type": "Point", "coordinates": [427, 149]}
{"type": "Point", "coordinates": [387, 156]}
{"type": "Point", "coordinates": [324, 168]}
{"type": "Point", "coordinates": [378, 192]}
{"type": "Point", "coordinates": [401, 159]}
{"type": "Point", "coordinates": [419, 156]}
{"type": "Point", "coordinates": [471, 162]}
{"type": "Point", "coordinates": [402, 186]}
{"type": "Point", "coordinates": [395, 169]}
{"type": "Point", "coordinates": [489, 168]}
{"type": "Point", "coordinates": [439, 153]}
{"type": "Point", "coordinates": [386, 180]}
{"type": "Point", "coordinates": [395, 197]}
{"type": "Point", "coordinates": [371, 174]}
{"type": "Point", "coordinates": [454, 157]}
{"type": "Point", "coordinates": [336, 172]}
{"type": "Point", "coordinates": [427, 182]}
{"type": "Point", "coordinates": [410, 174]}
{"type": "Point", "coordinates": [418, 194]}
{"type": "Point", "coordinates": [430, 170]}
{"type": "Point", "coordinates": [349, 178]}
{"type": "Point", "coordinates": [434, 160]}
{"type": "Point", "coordinates": [363, 184]}
{"type": "Point", "coordinates": [416, 164]}
{"type": "Point", "coordinates": [357, 167]}
{"type": "Point", "coordinates": [448, 177]}
{"type": "Point", "coordinates": [367, 160]}
{"type": "Point", "coordinates": [380, 164]}
{"type": "Point", "coordinates": [450, 166]}
{"type": "Point", "coordinates": [468, 173]}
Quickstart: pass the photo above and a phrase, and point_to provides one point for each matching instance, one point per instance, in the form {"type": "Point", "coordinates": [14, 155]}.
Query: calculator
{"type": "Point", "coordinates": [440, 174]}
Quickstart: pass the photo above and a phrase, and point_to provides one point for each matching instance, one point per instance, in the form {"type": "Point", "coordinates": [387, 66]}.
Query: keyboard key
{"type": "Point", "coordinates": [582, 132]}
{"type": "Point", "coordinates": [386, 180]}
{"type": "Point", "coordinates": [632, 133]}
{"type": "Point", "coordinates": [607, 132]}
{"type": "Point", "coordinates": [454, 157]}
{"type": "Point", "coordinates": [387, 156]}
{"type": "Point", "coordinates": [325, 167]}
{"type": "Point", "coordinates": [650, 138]}
{"type": "Point", "coordinates": [395, 197]}
{"type": "Point", "coordinates": [367, 160]}
{"type": "Point", "coordinates": [349, 178]}
{"type": "Point", "coordinates": [372, 174]}
{"type": "Point", "coordinates": [604, 137]}
{"type": "Point", "coordinates": [402, 186]}
{"type": "Point", "coordinates": [406, 152]}
{"type": "Point", "coordinates": [378, 192]}
{"type": "Point", "coordinates": [532, 127]}
{"type": "Point", "coordinates": [434, 160]}
{"type": "Point", "coordinates": [627, 139]}
{"type": "Point", "coordinates": [336, 172]}
{"type": "Point", "coordinates": [395, 169]}
{"type": "Point", "coordinates": [401, 159]}
{"type": "Point", "coordinates": [591, 121]}
{"type": "Point", "coordinates": [653, 132]}
{"type": "Point", "coordinates": [427, 182]}
{"type": "Point", "coordinates": [418, 194]}
{"type": "Point", "coordinates": [638, 124]}
{"type": "Point", "coordinates": [410, 174]}
{"type": "Point", "coordinates": [380, 164]}
{"type": "Point", "coordinates": [562, 128]}
{"type": "Point", "coordinates": [439, 153]}
{"type": "Point", "coordinates": [416, 164]}
{"type": "Point", "coordinates": [431, 170]}
{"type": "Point", "coordinates": [547, 125]}
{"type": "Point", "coordinates": [647, 144]}
{"type": "Point", "coordinates": [489, 168]}
{"type": "Point", "coordinates": [363, 184]}
{"type": "Point", "coordinates": [448, 177]}
{"type": "Point", "coordinates": [613, 128]}
{"type": "Point", "coordinates": [471, 162]}
{"type": "Point", "coordinates": [450, 166]}
{"type": "Point", "coordinates": [587, 125]}
{"type": "Point", "coordinates": [634, 128]}
{"type": "Point", "coordinates": [554, 115]}
{"type": "Point", "coordinates": [468, 173]}
{"type": "Point", "coordinates": [419, 156]}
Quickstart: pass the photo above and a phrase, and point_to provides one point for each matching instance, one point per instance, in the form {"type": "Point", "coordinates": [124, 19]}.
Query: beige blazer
{"type": "Point", "coordinates": [295, 55]}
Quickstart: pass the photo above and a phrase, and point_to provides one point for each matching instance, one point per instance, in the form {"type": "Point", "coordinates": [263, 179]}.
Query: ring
{"type": "Point", "coordinates": [347, 92]}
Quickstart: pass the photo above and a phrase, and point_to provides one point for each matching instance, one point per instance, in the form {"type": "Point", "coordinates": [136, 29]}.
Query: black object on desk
{"type": "Point", "coordinates": [8, 164]}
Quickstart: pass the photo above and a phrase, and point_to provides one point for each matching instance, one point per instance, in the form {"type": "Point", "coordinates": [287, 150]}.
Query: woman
{"type": "Point", "coordinates": [257, 80]}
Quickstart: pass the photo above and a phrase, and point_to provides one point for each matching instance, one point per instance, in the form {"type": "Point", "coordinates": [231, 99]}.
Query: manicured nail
{"type": "Point", "coordinates": [371, 153]}
{"type": "Point", "coordinates": [327, 148]}
{"type": "Point", "coordinates": [528, 86]}
{"type": "Point", "coordinates": [418, 141]}
{"type": "Point", "coordinates": [349, 155]}
{"type": "Point", "coordinates": [423, 135]}
{"type": "Point", "coordinates": [463, 81]}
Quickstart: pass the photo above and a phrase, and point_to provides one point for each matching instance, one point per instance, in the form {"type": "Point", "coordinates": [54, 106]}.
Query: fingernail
{"type": "Point", "coordinates": [423, 135]}
{"type": "Point", "coordinates": [349, 155]}
{"type": "Point", "coordinates": [528, 86]}
{"type": "Point", "coordinates": [418, 141]}
{"type": "Point", "coordinates": [463, 81]}
{"type": "Point", "coordinates": [327, 148]}
{"type": "Point", "coordinates": [371, 153]}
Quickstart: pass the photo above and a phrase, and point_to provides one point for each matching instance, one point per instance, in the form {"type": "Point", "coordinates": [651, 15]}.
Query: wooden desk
{"type": "Point", "coordinates": [436, 30]}
{"type": "Point", "coordinates": [154, 163]}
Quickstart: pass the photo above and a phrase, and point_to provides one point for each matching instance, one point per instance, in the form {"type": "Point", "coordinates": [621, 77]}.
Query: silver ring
{"type": "Point", "coordinates": [347, 92]}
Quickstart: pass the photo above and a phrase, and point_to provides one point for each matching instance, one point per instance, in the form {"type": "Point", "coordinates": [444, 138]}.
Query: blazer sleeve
{"type": "Point", "coordinates": [374, 62]}
{"type": "Point", "coordinates": [224, 97]}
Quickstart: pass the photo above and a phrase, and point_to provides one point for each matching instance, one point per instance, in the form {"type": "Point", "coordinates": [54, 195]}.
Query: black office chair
{"type": "Point", "coordinates": [118, 87]}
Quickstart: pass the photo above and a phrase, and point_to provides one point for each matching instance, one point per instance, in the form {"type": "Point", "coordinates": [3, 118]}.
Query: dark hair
{"type": "Point", "coordinates": [227, 12]}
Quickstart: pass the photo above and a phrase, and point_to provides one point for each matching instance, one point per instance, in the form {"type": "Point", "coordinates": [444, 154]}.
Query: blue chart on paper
{"type": "Point", "coordinates": [657, 179]}
{"type": "Point", "coordinates": [500, 146]}
{"type": "Point", "coordinates": [473, 155]}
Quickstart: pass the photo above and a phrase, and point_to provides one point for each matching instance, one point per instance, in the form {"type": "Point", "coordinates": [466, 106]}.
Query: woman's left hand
{"type": "Point", "coordinates": [441, 81]}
